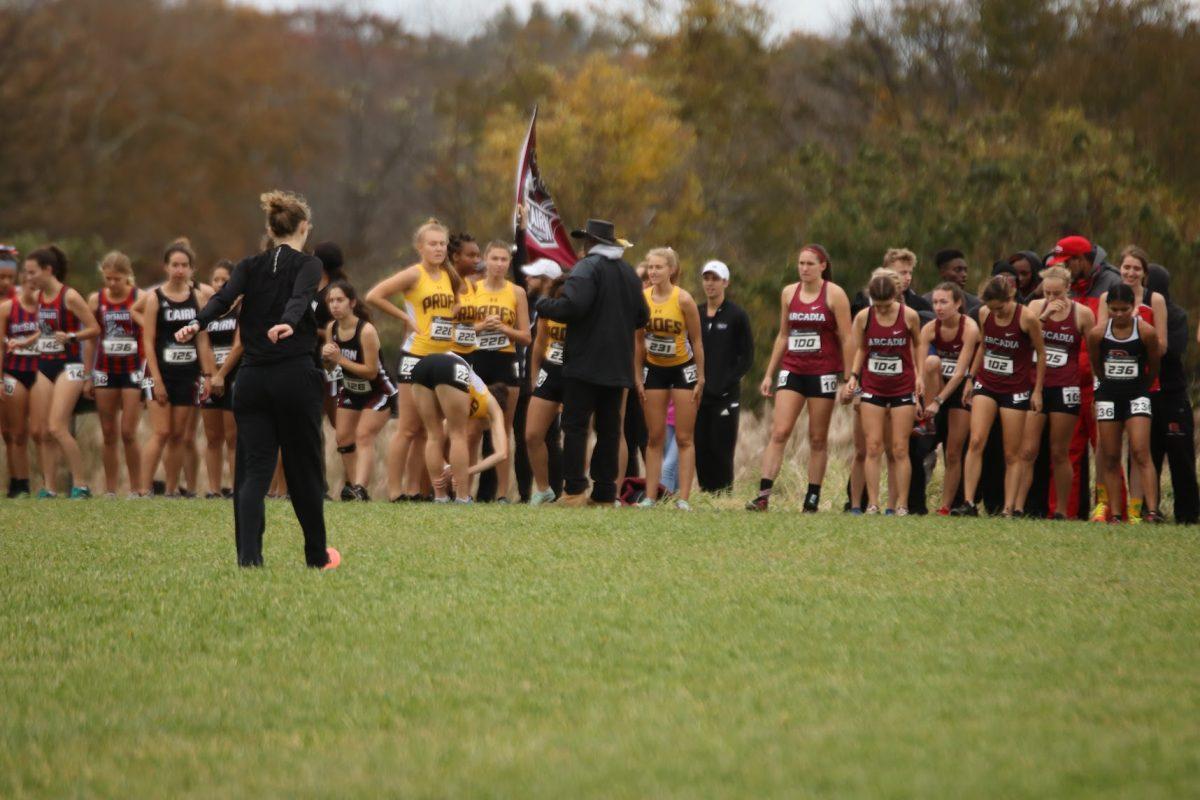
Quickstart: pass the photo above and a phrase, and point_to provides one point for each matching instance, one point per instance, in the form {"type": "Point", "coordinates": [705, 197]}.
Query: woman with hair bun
{"type": "Point", "coordinates": [277, 404]}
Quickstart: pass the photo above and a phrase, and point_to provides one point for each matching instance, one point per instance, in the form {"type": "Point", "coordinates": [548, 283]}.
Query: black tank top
{"type": "Point", "coordinates": [221, 333]}
{"type": "Point", "coordinates": [1123, 364]}
{"type": "Point", "coordinates": [175, 360]}
{"type": "Point", "coordinates": [352, 349]}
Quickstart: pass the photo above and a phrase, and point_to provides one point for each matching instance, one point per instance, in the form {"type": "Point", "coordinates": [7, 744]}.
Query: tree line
{"type": "Point", "coordinates": [987, 125]}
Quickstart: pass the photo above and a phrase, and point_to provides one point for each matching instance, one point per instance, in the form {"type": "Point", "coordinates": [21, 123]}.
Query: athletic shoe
{"type": "Point", "coordinates": [574, 500]}
{"type": "Point", "coordinates": [335, 559]}
{"type": "Point", "coordinates": [1018, 513]}
{"type": "Point", "coordinates": [759, 503]}
{"type": "Point", "coordinates": [683, 505]}
{"type": "Point", "coordinates": [1154, 517]}
{"type": "Point", "coordinates": [81, 493]}
{"type": "Point", "coordinates": [135, 496]}
{"type": "Point", "coordinates": [360, 493]}
{"type": "Point", "coordinates": [537, 498]}
{"type": "Point", "coordinates": [646, 502]}
{"type": "Point", "coordinates": [871, 510]}
{"type": "Point", "coordinates": [1060, 517]}
{"type": "Point", "coordinates": [902, 512]}
{"type": "Point", "coordinates": [887, 512]}
{"type": "Point", "coordinates": [212, 496]}
{"type": "Point", "coordinates": [503, 501]}
{"type": "Point", "coordinates": [401, 498]}
{"type": "Point", "coordinates": [187, 495]}
{"type": "Point", "coordinates": [46, 494]}
{"type": "Point", "coordinates": [858, 512]}
{"type": "Point", "coordinates": [944, 511]}
{"type": "Point", "coordinates": [445, 501]}
{"type": "Point", "coordinates": [1100, 512]}
{"type": "Point", "coordinates": [1114, 520]}
{"type": "Point", "coordinates": [347, 495]}
{"type": "Point", "coordinates": [810, 505]}
{"type": "Point", "coordinates": [158, 487]}
{"type": "Point", "coordinates": [227, 493]}
{"type": "Point", "coordinates": [110, 495]}
{"type": "Point", "coordinates": [464, 501]}
{"type": "Point", "coordinates": [966, 510]}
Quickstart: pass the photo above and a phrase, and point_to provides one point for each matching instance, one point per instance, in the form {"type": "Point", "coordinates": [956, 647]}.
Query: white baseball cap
{"type": "Point", "coordinates": [543, 268]}
{"type": "Point", "coordinates": [718, 268]}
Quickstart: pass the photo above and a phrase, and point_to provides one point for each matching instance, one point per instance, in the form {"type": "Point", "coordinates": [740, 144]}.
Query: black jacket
{"type": "Point", "coordinates": [277, 286]}
{"type": "Point", "coordinates": [728, 350]}
{"type": "Point", "coordinates": [603, 306]}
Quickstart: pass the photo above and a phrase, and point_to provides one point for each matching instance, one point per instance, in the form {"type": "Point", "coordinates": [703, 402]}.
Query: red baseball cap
{"type": "Point", "coordinates": [1068, 248]}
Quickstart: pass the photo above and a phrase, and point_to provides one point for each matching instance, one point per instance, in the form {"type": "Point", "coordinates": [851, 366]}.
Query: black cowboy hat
{"type": "Point", "coordinates": [598, 229]}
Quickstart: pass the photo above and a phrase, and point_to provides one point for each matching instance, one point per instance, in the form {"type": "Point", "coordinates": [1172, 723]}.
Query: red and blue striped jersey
{"type": "Point", "coordinates": [21, 325]}
{"type": "Point", "coordinates": [119, 351]}
{"type": "Point", "coordinates": [55, 316]}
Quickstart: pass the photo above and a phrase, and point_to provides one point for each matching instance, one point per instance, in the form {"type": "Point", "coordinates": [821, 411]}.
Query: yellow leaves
{"type": "Point", "coordinates": [609, 146]}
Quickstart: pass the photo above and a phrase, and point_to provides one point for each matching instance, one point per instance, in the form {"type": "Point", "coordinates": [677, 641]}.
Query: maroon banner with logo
{"type": "Point", "coordinates": [545, 235]}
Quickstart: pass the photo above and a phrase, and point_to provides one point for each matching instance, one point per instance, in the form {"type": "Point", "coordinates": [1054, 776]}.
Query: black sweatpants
{"type": "Point", "coordinates": [278, 407]}
{"type": "Point", "coordinates": [1173, 439]}
{"type": "Point", "coordinates": [581, 402]}
{"type": "Point", "coordinates": [637, 435]}
{"type": "Point", "coordinates": [716, 439]}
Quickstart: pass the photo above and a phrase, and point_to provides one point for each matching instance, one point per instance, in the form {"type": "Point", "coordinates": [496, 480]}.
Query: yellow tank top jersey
{"type": "Point", "coordinates": [464, 321]}
{"type": "Point", "coordinates": [431, 304]}
{"type": "Point", "coordinates": [502, 303]}
{"type": "Point", "coordinates": [556, 344]}
{"type": "Point", "coordinates": [478, 394]}
{"type": "Point", "coordinates": [667, 343]}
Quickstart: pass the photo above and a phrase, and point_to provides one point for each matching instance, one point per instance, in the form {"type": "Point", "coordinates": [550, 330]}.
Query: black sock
{"type": "Point", "coordinates": [764, 486]}
{"type": "Point", "coordinates": [814, 494]}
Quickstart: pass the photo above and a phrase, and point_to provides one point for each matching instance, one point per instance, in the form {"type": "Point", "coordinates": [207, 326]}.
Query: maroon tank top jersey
{"type": "Point", "coordinates": [21, 325]}
{"type": "Point", "coordinates": [119, 351]}
{"type": "Point", "coordinates": [813, 347]}
{"type": "Point", "coordinates": [949, 351]}
{"type": "Point", "coordinates": [54, 316]}
{"type": "Point", "coordinates": [1007, 356]}
{"type": "Point", "coordinates": [1063, 341]}
{"type": "Point", "coordinates": [887, 370]}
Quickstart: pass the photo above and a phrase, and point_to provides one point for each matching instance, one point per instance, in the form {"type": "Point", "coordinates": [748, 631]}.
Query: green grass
{"type": "Point", "coordinates": [517, 652]}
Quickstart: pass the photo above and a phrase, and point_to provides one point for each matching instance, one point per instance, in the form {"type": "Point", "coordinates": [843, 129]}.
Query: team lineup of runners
{"type": "Point", "coordinates": [1050, 363]}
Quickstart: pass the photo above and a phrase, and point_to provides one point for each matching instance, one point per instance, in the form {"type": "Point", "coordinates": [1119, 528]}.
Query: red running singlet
{"type": "Point", "coordinates": [813, 347]}
{"type": "Point", "coordinates": [1063, 343]}
{"type": "Point", "coordinates": [948, 351]}
{"type": "Point", "coordinates": [55, 316]}
{"type": "Point", "coordinates": [21, 325]}
{"type": "Point", "coordinates": [887, 370]}
{"type": "Point", "coordinates": [1007, 356]}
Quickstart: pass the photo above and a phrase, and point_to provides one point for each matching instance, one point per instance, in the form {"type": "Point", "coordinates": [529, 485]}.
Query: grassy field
{"type": "Point", "coordinates": [520, 652]}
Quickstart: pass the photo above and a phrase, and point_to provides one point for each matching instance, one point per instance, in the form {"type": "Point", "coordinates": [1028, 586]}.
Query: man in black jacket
{"type": "Point", "coordinates": [1172, 428]}
{"type": "Point", "coordinates": [728, 354]}
{"type": "Point", "coordinates": [603, 306]}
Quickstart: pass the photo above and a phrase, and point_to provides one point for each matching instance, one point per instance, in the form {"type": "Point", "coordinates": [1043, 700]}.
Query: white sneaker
{"type": "Point", "coordinates": [537, 498]}
{"type": "Point", "coordinates": [683, 505]}
{"type": "Point", "coordinates": [646, 502]}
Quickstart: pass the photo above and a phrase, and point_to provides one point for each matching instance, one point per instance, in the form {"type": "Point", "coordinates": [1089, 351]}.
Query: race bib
{"type": "Point", "coordinates": [1070, 395]}
{"type": "Point", "coordinates": [1106, 410]}
{"type": "Point", "coordinates": [462, 374]}
{"type": "Point", "coordinates": [1055, 357]}
{"type": "Point", "coordinates": [806, 342]}
{"type": "Point", "coordinates": [493, 341]}
{"type": "Point", "coordinates": [179, 354]}
{"type": "Point", "coordinates": [48, 345]}
{"type": "Point", "coordinates": [829, 384]}
{"type": "Point", "coordinates": [542, 376]}
{"type": "Point", "coordinates": [356, 385]}
{"type": "Point", "coordinates": [74, 372]}
{"type": "Point", "coordinates": [26, 352]}
{"type": "Point", "coordinates": [10, 386]}
{"type": "Point", "coordinates": [99, 379]}
{"type": "Point", "coordinates": [1140, 406]}
{"type": "Point", "coordinates": [658, 346]}
{"type": "Point", "coordinates": [221, 355]}
{"type": "Point", "coordinates": [689, 373]}
{"type": "Point", "coordinates": [885, 365]}
{"type": "Point", "coordinates": [1120, 369]}
{"type": "Point", "coordinates": [516, 368]}
{"type": "Point", "coordinates": [555, 354]}
{"type": "Point", "coordinates": [464, 335]}
{"type": "Point", "coordinates": [120, 347]}
{"type": "Point", "coordinates": [948, 368]}
{"type": "Point", "coordinates": [441, 329]}
{"type": "Point", "coordinates": [148, 383]}
{"type": "Point", "coordinates": [1020, 397]}
{"type": "Point", "coordinates": [997, 365]}
{"type": "Point", "coordinates": [333, 375]}
{"type": "Point", "coordinates": [406, 366]}
{"type": "Point", "coordinates": [782, 380]}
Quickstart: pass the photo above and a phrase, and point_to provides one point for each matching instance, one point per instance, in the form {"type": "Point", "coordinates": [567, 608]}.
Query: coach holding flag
{"type": "Point", "coordinates": [278, 394]}
{"type": "Point", "coordinates": [603, 306]}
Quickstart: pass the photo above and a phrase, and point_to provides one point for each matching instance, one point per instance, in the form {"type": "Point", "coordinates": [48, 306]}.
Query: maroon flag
{"type": "Point", "coordinates": [545, 235]}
